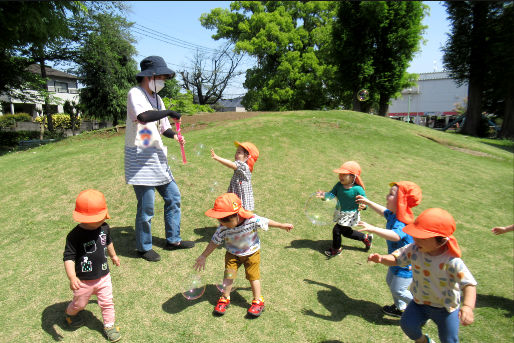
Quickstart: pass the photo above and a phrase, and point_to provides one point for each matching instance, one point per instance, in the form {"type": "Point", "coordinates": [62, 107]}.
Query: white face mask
{"type": "Point", "coordinates": [156, 85]}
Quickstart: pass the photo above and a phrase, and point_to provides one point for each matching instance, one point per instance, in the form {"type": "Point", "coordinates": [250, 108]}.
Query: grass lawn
{"type": "Point", "coordinates": [309, 298]}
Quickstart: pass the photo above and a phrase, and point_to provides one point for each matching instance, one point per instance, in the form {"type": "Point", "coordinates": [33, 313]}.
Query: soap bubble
{"type": "Point", "coordinates": [173, 158]}
{"type": "Point", "coordinates": [229, 274]}
{"type": "Point", "coordinates": [320, 211]}
{"type": "Point", "coordinates": [363, 95]}
{"type": "Point", "coordinates": [199, 149]}
{"type": "Point", "coordinates": [194, 288]}
{"type": "Point", "coordinates": [214, 187]}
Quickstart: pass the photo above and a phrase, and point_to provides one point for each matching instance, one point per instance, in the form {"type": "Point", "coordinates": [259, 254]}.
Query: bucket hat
{"type": "Point", "coordinates": [351, 167]}
{"type": "Point", "coordinates": [435, 222]}
{"type": "Point", "coordinates": [408, 196]}
{"type": "Point", "coordinates": [155, 65]}
{"type": "Point", "coordinates": [90, 207]}
{"type": "Point", "coordinates": [252, 151]}
{"type": "Point", "coordinates": [228, 204]}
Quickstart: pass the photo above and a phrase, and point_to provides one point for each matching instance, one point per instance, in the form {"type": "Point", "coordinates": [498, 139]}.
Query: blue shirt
{"type": "Point", "coordinates": [397, 227]}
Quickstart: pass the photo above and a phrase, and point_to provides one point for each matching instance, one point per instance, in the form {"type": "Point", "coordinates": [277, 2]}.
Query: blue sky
{"type": "Point", "coordinates": [178, 21]}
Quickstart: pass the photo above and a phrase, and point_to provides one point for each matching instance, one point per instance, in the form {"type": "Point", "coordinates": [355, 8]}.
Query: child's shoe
{"type": "Point", "coordinates": [75, 321]}
{"type": "Point", "coordinates": [429, 340]}
{"type": "Point", "coordinates": [112, 333]}
{"type": "Point", "coordinates": [333, 252]}
{"type": "Point", "coordinates": [257, 307]}
{"type": "Point", "coordinates": [367, 241]}
{"type": "Point", "coordinates": [222, 305]}
{"type": "Point", "coordinates": [392, 310]}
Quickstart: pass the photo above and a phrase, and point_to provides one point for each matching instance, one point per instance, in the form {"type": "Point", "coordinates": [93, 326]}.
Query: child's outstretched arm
{"type": "Point", "coordinates": [200, 261]}
{"type": "Point", "coordinates": [390, 235]}
{"type": "Point", "coordinates": [468, 304]}
{"type": "Point", "coordinates": [388, 260]}
{"type": "Point", "coordinates": [502, 229]}
{"type": "Point", "coordinates": [284, 226]}
{"type": "Point", "coordinates": [69, 267]}
{"type": "Point", "coordinates": [112, 254]}
{"type": "Point", "coordinates": [223, 161]}
{"type": "Point", "coordinates": [376, 207]}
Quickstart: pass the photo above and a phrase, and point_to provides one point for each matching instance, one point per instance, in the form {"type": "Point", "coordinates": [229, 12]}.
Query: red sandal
{"type": "Point", "coordinates": [222, 305]}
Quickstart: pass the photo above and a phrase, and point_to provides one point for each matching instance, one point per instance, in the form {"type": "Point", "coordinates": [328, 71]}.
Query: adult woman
{"type": "Point", "coordinates": [146, 164]}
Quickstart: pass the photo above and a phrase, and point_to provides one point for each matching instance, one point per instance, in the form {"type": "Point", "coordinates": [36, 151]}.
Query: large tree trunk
{"type": "Point", "coordinates": [507, 130]}
{"type": "Point", "coordinates": [383, 105]}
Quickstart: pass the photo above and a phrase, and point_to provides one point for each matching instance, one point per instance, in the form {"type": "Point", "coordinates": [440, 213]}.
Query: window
{"type": "Point", "coordinates": [61, 87]}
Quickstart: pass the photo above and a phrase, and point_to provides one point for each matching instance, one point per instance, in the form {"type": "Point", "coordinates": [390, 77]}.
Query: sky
{"type": "Point", "coordinates": [172, 29]}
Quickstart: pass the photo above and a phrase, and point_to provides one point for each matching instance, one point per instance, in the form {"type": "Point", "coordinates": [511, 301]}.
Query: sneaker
{"type": "Point", "coordinates": [333, 252]}
{"type": "Point", "coordinates": [392, 310]}
{"type": "Point", "coordinates": [429, 340]}
{"type": "Point", "coordinates": [222, 305]}
{"type": "Point", "coordinates": [75, 321]}
{"type": "Point", "coordinates": [367, 241]}
{"type": "Point", "coordinates": [150, 255]}
{"type": "Point", "coordinates": [257, 308]}
{"type": "Point", "coordinates": [113, 333]}
{"type": "Point", "coordinates": [179, 245]}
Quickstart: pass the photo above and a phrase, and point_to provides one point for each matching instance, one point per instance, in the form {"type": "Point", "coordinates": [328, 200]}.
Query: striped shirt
{"type": "Point", "coordinates": [242, 240]}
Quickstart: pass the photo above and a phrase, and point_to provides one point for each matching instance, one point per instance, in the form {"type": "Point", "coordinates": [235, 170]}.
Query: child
{"type": "Point", "coordinates": [401, 198]}
{"type": "Point", "coordinates": [500, 230]}
{"type": "Point", "coordinates": [349, 186]}
{"type": "Point", "coordinates": [241, 182]}
{"type": "Point", "coordinates": [438, 277]}
{"type": "Point", "coordinates": [85, 261]}
{"type": "Point", "coordinates": [238, 230]}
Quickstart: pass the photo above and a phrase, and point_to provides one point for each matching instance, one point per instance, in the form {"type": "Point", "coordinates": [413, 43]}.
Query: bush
{"type": "Point", "coordinates": [61, 121]}
{"type": "Point", "coordinates": [183, 103]}
{"type": "Point", "coordinates": [8, 120]}
{"type": "Point", "coordinates": [12, 138]}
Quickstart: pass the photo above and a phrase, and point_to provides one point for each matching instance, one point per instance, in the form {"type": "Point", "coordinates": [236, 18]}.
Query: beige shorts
{"type": "Point", "coordinates": [251, 262]}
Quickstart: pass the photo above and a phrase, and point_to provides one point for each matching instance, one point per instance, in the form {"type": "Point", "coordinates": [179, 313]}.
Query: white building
{"type": "Point", "coordinates": [62, 86]}
{"type": "Point", "coordinates": [432, 102]}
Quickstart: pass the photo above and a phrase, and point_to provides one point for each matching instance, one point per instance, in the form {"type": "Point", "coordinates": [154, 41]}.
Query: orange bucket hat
{"type": "Point", "coordinates": [90, 207]}
{"type": "Point", "coordinates": [252, 151]}
{"type": "Point", "coordinates": [409, 195]}
{"type": "Point", "coordinates": [435, 222]}
{"type": "Point", "coordinates": [228, 204]}
{"type": "Point", "coordinates": [351, 167]}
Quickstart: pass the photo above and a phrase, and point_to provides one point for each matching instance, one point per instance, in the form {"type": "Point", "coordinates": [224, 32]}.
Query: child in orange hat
{"type": "Point", "coordinates": [241, 182]}
{"type": "Point", "coordinates": [238, 231]}
{"type": "Point", "coordinates": [85, 261]}
{"type": "Point", "coordinates": [350, 185]}
{"type": "Point", "coordinates": [438, 277]}
{"type": "Point", "coordinates": [402, 196]}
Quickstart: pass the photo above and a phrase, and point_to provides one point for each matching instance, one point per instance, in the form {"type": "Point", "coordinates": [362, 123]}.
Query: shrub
{"type": "Point", "coordinates": [12, 138]}
{"type": "Point", "coordinates": [183, 103]}
{"type": "Point", "coordinates": [61, 121]}
{"type": "Point", "coordinates": [8, 120]}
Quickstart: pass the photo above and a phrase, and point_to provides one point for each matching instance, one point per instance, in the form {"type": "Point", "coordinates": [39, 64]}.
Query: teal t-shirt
{"type": "Point", "coordinates": [346, 197]}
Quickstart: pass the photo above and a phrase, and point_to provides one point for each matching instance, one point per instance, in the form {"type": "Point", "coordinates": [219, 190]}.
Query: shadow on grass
{"type": "Point", "coordinates": [320, 246]}
{"type": "Point", "coordinates": [178, 303]}
{"type": "Point", "coordinates": [506, 147]}
{"type": "Point", "coordinates": [493, 301]}
{"type": "Point", "coordinates": [205, 233]}
{"type": "Point", "coordinates": [340, 305]}
{"type": "Point", "coordinates": [54, 315]}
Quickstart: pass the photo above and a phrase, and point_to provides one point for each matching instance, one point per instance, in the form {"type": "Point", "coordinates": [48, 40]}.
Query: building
{"type": "Point", "coordinates": [232, 105]}
{"type": "Point", "coordinates": [432, 102]}
{"type": "Point", "coordinates": [62, 86]}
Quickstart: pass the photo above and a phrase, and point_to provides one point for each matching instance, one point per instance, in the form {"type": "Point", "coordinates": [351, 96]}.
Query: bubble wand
{"type": "Point", "coordinates": [181, 141]}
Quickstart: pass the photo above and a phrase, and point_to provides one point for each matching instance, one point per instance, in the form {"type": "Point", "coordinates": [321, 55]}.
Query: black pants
{"type": "Point", "coordinates": [346, 231]}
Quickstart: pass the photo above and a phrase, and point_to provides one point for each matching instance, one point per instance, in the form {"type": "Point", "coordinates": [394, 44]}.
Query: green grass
{"type": "Point", "coordinates": [308, 298]}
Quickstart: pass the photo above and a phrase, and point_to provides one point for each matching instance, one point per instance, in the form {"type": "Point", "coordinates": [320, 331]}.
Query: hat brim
{"type": "Point", "coordinates": [218, 215]}
{"type": "Point", "coordinates": [342, 171]}
{"type": "Point", "coordinates": [414, 231]}
{"type": "Point", "coordinates": [157, 71]}
{"type": "Point", "coordinates": [83, 218]}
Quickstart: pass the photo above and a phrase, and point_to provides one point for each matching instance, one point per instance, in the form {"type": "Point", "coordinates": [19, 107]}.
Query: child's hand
{"type": "Point", "coordinates": [365, 227]}
{"type": "Point", "coordinates": [200, 263]}
{"type": "Point", "coordinates": [116, 260]}
{"type": "Point", "coordinates": [361, 200]}
{"type": "Point", "coordinates": [288, 227]}
{"type": "Point", "coordinates": [320, 194]}
{"type": "Point", "coordinates": [375, 258]}
{"type": "Point", "coordinates": [75, 283]}
{"type": "Point", "coordinates": [213, 154]}
{"type": "Point", "coordinates": [362, 207]}
{"type": "Point", "coordinates": [466, 315]}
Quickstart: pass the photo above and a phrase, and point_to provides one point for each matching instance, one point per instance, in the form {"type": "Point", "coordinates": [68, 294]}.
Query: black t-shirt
{"type": "Point", "coordinates": [88, 249]}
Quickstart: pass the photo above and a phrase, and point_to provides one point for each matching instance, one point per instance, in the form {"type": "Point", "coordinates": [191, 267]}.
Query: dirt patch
{"type": "Point", "coordinates": [464, 150]}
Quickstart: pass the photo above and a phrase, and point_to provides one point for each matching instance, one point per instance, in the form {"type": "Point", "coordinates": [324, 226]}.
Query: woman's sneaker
{"type": "Point", "coordinates": [333, 252]}
{"type": "Point", "coordinates": [113, 333]}
{"type": "Point", "coordinates": [429, 340]}
{"type": "Point", "coordinates": [392, 310]}
{"type": "Point", "coordinates": [221, 306]}
{"type": "Point", "coordinates": [257, 308]}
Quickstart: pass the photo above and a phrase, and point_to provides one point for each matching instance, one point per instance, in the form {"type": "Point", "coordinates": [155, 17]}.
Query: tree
{"type": "Point", "coordinates": [207, 81]}
{"type": "Point", "coordinates": [479, 52]}
{"type": "Point", "coordinates": [288, 40]}
{"type": "Point", "coordinates": [373, 43]}
{"type": "Point", "coordinates": [107, 68]}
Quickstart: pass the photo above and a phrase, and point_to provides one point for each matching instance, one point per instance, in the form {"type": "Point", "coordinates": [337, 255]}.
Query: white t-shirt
{"type": "Point", "coordinates": [242, 240]}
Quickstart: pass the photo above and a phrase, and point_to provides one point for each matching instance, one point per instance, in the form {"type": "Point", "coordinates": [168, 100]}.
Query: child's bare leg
{"type": "Point", "coordinates": [228, 287]}
{"type": "Point", "coordinates": [256, 289]}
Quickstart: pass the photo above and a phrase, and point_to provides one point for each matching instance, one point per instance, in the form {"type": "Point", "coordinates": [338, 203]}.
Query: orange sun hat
{"type": "Point", "coordinates": [435, 222]}
{"type": "Point", "coordinates": [409, 195]}
{"type": "Point", "coordinates": [90, 207]}
{"type": "Point", "coordinates": [351, 167]}
{"type": "Point", "coordinates": [252, 151]}
{"type": "Point", "coordinates": [228, 204]}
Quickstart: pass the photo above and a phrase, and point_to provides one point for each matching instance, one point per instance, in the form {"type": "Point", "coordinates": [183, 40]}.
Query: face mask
{"type": "Point", "coordinates": [156, 85]}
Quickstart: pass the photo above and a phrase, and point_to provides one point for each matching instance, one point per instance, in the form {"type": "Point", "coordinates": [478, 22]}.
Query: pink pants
{"type": "Point", "coordinates": [102, 288]}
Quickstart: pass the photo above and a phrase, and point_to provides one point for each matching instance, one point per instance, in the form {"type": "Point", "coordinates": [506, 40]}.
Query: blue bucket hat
{"type": "Point", "coordinates": [155, 65]}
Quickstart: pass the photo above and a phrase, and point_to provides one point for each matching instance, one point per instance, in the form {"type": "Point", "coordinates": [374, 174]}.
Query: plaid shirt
{"type": "Point", "coordinates": [241, 185]}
